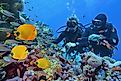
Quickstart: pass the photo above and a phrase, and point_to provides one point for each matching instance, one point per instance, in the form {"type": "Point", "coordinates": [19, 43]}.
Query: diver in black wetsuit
{"type": "Point", "coordinates": [71, 35]}
{"type": "Point", "coordinates": [101, 36]}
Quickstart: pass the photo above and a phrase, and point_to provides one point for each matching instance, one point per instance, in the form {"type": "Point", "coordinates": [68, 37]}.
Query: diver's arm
{"type": "Point", "coordinates": [83, 41]}
{"type": "Point", "coordinates": [60, 38]}
{"type": "Point", "coordinates": [113, 38]}
{"type": "Point", "coordinates": [86, 33]}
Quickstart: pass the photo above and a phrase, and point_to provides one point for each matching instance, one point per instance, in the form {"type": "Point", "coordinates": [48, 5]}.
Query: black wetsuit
{"type": "Point", "coordinates": [110, 34]}
{"type": "Point", "coordinates": [70, 37]}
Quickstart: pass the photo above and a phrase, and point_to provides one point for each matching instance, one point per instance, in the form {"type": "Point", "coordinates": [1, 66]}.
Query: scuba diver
{"type": "Point", "coordinates": [71, 36]}
{"type": "Point", "coordinates": [101, 36]}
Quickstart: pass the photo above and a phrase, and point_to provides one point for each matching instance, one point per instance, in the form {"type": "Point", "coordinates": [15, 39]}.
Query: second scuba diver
{"type": "Point", "coordinates": [71, 36]}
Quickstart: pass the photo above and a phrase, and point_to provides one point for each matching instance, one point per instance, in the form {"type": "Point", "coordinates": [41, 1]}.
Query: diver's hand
{"type": "Point", "coordinates": [107, 44]}
{"type": "Point", "coordinates": [70, 44]}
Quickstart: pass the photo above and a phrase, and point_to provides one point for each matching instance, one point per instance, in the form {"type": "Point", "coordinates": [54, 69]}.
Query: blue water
{"type": "Point", "coordinates": [55, 13]}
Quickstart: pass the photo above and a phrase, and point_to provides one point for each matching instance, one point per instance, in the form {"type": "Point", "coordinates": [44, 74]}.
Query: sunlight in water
{"type": "Point", "coordinates": [70, 6]}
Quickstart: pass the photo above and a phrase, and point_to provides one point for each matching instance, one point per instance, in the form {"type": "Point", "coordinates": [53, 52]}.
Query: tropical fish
{"type": "Point", "coordinates": [6, 29]}
{"type": "Point", "coordinates": [14, 24]}
{"type": "Point", "coordinates": [2, 22]}
{"type": "Point", "coordinates": [83, 16]}
{"type": "Point", "coordinates": [26, 2]}
{"type": "Point", "coordinates": [29, 9]}
{"type": "Point", "coordinates": [10, 42]}
{"type": "Point", "coordinates": [7, 58]}
{"type": "Point", "coordinates": [43, 63]}
{"type": "Point", "coordinates": [7, 13]}
{"type": "Point", "coordinates": [19, 52]}
{"type": "Point", "coordinates": [4, 48]}
{"type": "Point", "coordinates": [26, 32]}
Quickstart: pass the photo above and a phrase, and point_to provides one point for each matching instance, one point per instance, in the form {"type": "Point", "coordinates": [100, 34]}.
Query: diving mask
{"type": "Point", "coordinates": [97, 22]}
{"type": "Point", "coordinates": [71, 23]}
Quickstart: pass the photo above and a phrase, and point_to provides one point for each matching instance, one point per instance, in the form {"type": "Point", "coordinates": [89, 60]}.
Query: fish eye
{"type": "Point", "coordinates": [17, 33]}
{"type": "Point", "coordinates": [36, 63]}
{"type": "Point", "coordinates": [11, 54]}
{"type": "Point", "coordinates": [34, 30]}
